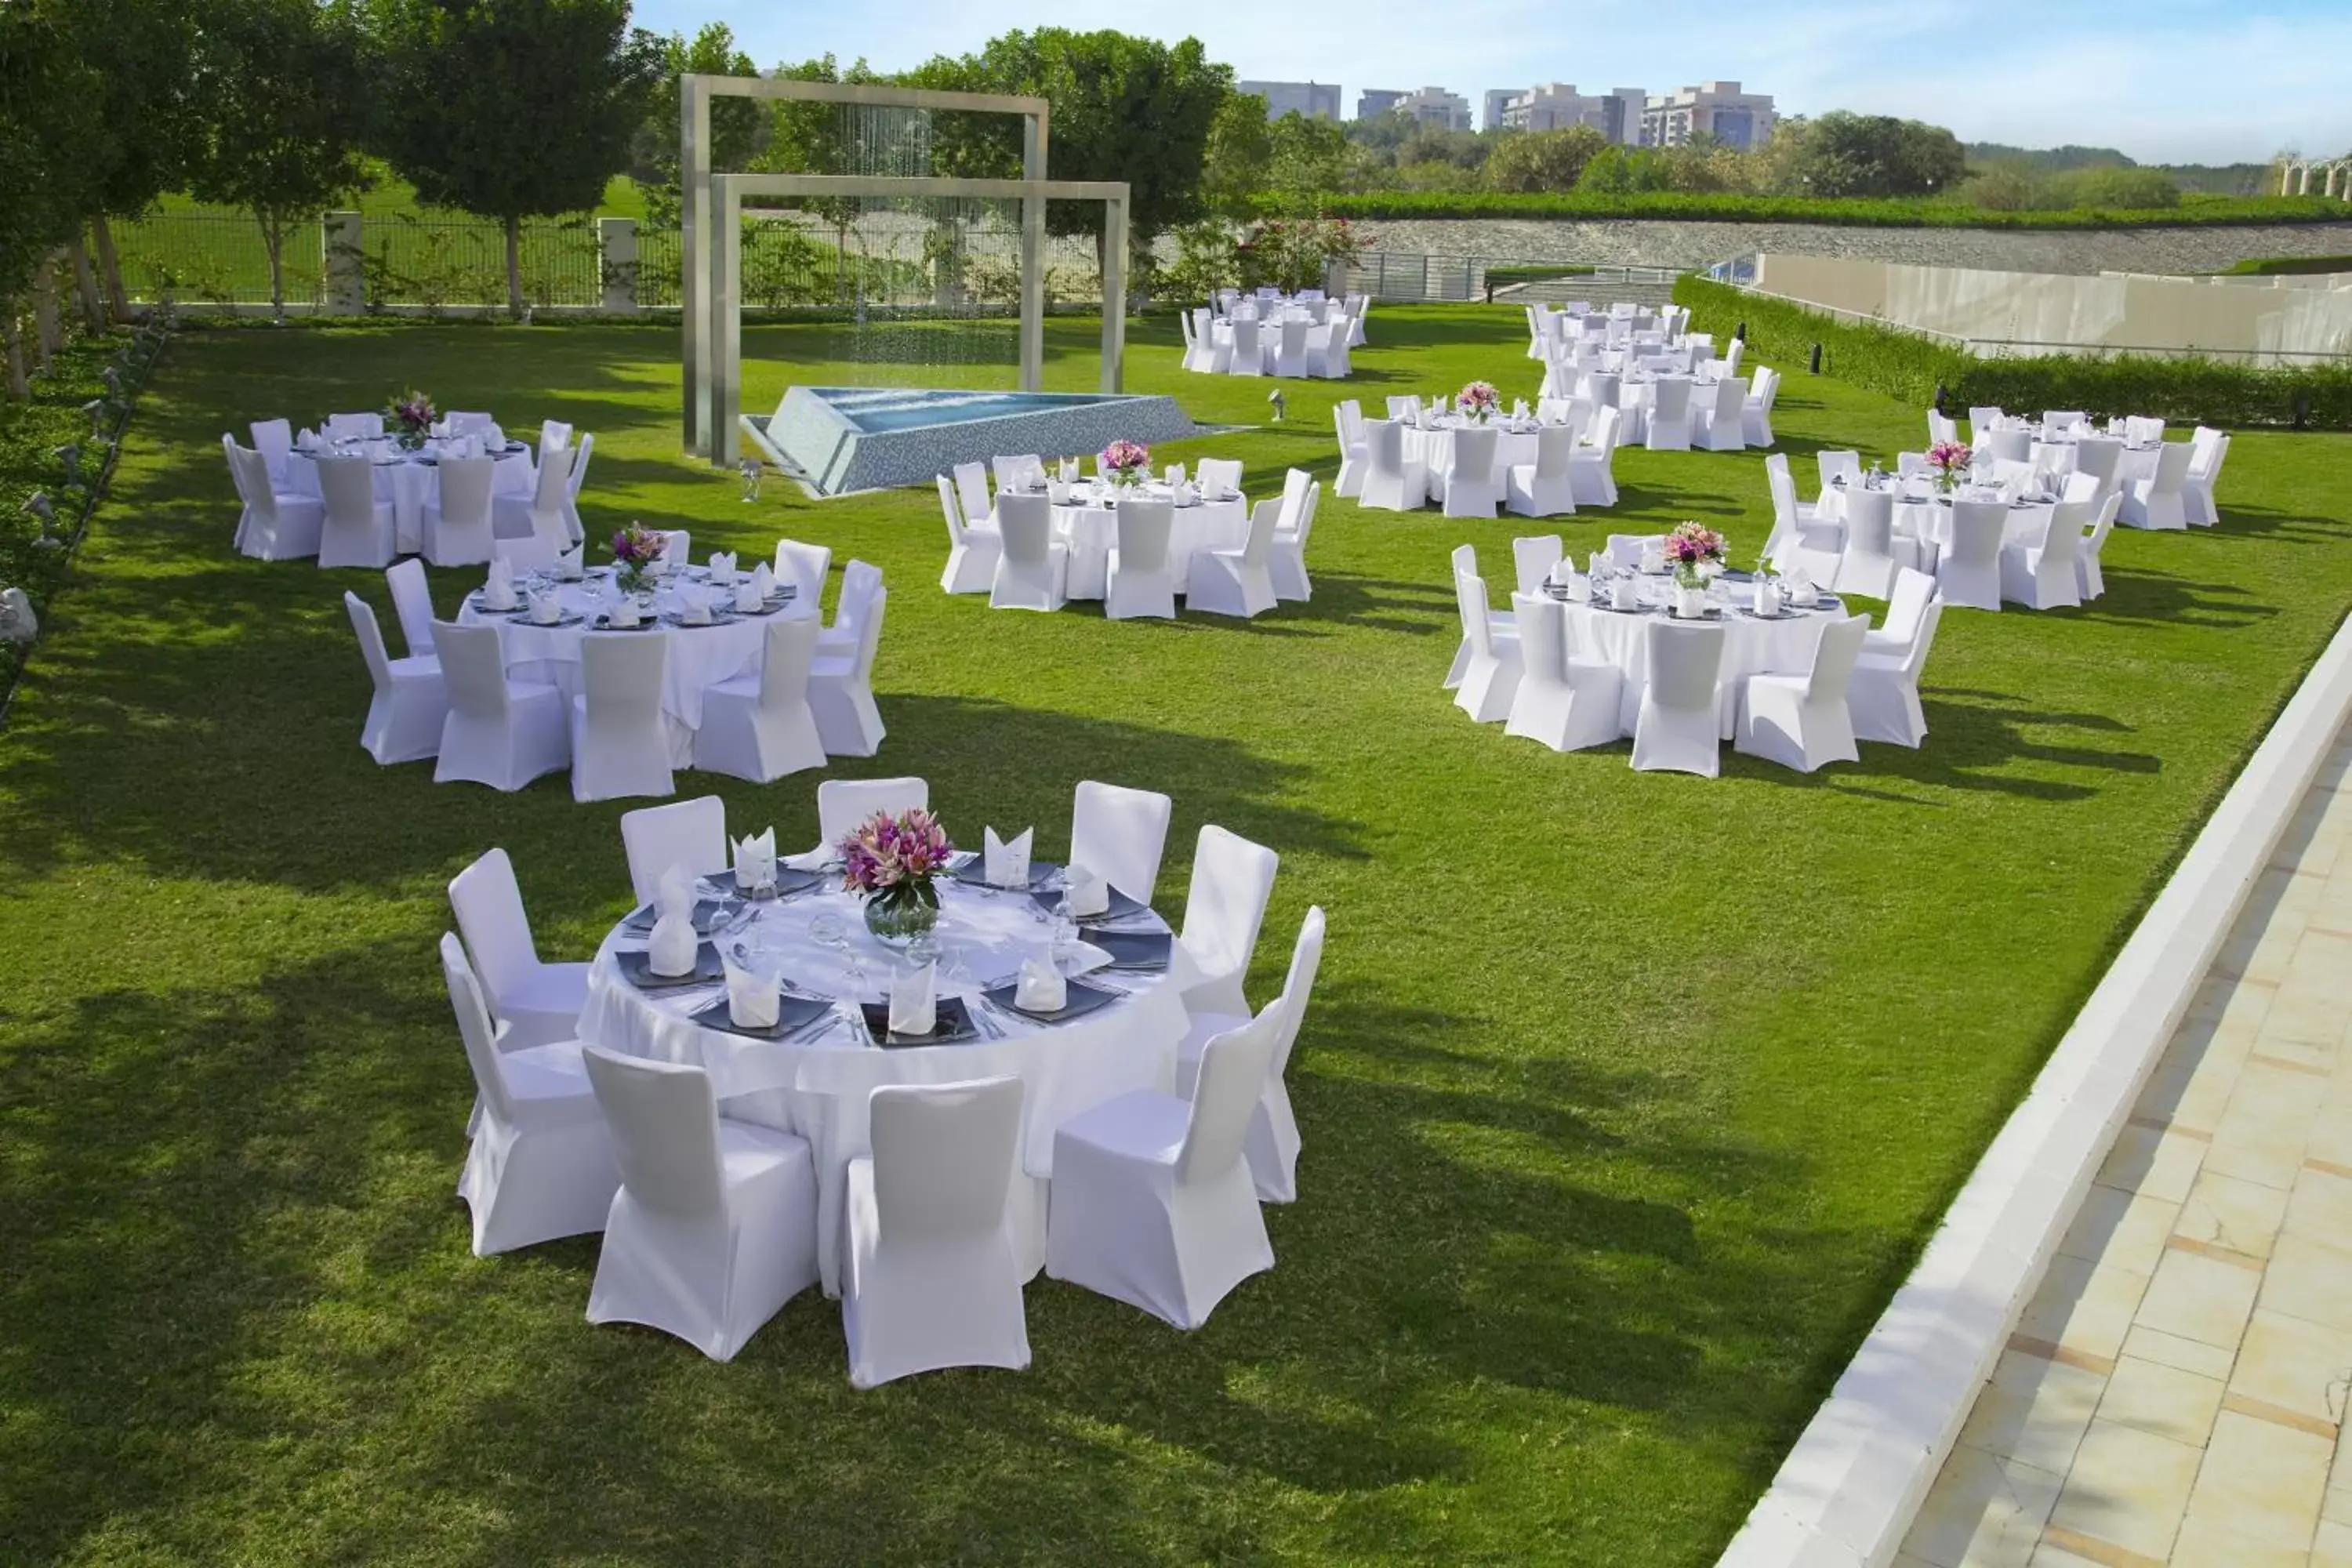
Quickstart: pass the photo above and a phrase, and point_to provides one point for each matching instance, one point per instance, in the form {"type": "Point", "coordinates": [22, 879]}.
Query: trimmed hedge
{"type": "Point", "coordinates": [2185, 390]}
{"type": "Point", "coordinates": [1855, 212]}
{"type": "Point", "coordinates": [2274, 265]}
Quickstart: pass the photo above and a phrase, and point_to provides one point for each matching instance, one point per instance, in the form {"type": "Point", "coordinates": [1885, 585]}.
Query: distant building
{"type": "Point", "coordinates": [1499, 98]}
{"type": "Point", "coordinates": [1557, 106]}
{"type": "Point", "coordinates": [1309, 99]}
{"type": "Point", "coordinates": [1436, 106]}
{"type": "Point", "coordinates": [1717, 109]}
{"type": "Point", "coordinates": [1375, 101]}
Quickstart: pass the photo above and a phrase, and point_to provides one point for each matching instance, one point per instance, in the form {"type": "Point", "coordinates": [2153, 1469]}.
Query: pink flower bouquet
{"type": "Point", "coordinates": [411, 415]}
{"type": "Point", "coordinates": [1126, 462]}
{"type": "Point", "coordinates": [635, 549]}
{"type": "Point", "coordinates": [893, 859]}
{"type": "Point", "coordinates": [1478, 400]}
{"type": "Point", "coordinates": [1951, 461]}
{"type": "Point", "coordinates": [1690, 547]}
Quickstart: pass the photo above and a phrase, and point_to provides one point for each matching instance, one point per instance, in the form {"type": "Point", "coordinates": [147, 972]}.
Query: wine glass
{"type": "Point", "coordinates": [751, 470]}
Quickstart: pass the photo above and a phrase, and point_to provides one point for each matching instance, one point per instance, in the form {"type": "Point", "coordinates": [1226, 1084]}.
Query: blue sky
{"type": "Point", "coordinates": [2166, 81]}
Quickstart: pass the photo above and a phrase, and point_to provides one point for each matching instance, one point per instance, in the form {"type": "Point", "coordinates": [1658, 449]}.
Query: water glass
{"type": "Point", "coordinates": [751, 471]}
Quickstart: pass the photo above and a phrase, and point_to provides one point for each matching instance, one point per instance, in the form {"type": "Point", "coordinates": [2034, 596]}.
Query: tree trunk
{"type": "Point", "coordinates": [20, 384]}
{"type": "Point", "coordinates": [514, 266]}
{"type": "Point", "coordinates": [111, 265]}
{"type": "Point", "coordinates": [48, 329]}
{"type": "Point", "coordinates": [273, 240]}
{"type": "Point", "coordinates": [94, 309]}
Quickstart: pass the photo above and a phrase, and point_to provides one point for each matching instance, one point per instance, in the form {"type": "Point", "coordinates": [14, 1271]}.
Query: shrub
{"type": "Point", "coordinates": [1588, 204]}
{"type": "Point", "coordinates": [2187, 389]}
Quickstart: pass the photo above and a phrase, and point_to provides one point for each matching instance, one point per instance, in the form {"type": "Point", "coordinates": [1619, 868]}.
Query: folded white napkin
{"type": "Point", "coordinates": [621, 610]}
{"type": "Point", "coordinates": [672, 950]}
{"type": "Point", "coordinates": [546, 607]}
{"type": "Point", "coordinates": [914, 1001]}
{"type": "Point", "coordinates": [1653, 558]}
{"type": "Point", "coordinates": [1801, 588]}
{"type": "Point", "coordinates": [694, 606]}
{"type": "Point", "coordinates": [1069, 470]}
{"type": "Point", "coordinates": [722, 566]}
{"type": "Point", "coordinates": [493, 439]}
{"type": "Point", "coordinates": [1057, 493]}
{"type": "Point", "coordinates": [748, 597]}
{"type": "Point", "coordinates": [755, 862]}
{"type": "Point", "coordinates": [1624, 593]}
{"type": "Point", "coordinates": [1768, 597]}
{"type": "Point", "coordinates": [816, 859]}
{"type": "Point", "coordinates": [1088, 894]}
{"type": "Point", "coordinates": [1577, 587]}
{"type": "Point", "coordinates": [498, 593]}
{"type": "Point", "coordinates": [1174, 474]}
{"type": "Point", "coordinates": [306, 440]}
{"type": "Point", "coordinates": [764, 580]}
{"type": "Point", "coordinates": [1007, 861]}
{"type": "Point", "coordinates": [568, 566]}
{"type": "Point", "coordinates": [753, 1000]}
{"type": "Point", "coordinates": [1518, 408]}
{"type": "Point", "coordinates": [1042, 989]}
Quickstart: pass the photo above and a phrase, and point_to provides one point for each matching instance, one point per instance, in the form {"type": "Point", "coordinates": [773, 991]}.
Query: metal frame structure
{"type": "Point", "coordinates": [711, 205]}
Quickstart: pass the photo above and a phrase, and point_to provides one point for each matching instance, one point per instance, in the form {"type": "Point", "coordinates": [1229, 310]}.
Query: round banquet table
{"type": "Point", "coordinates": [699, 655]}
{"type": "Point", "coordinates": [1929, 518]}
{"type": "Point", "coordinates": [816, 1084]}
{"type": "Point", "coordinates": [1752, 645]}
{"type": "Point", "coordinates": [1088, 523]}
{"type": "Point", "coordinates": [409, 479]}
{"type": "Point", "coordinates": [1433, 445]}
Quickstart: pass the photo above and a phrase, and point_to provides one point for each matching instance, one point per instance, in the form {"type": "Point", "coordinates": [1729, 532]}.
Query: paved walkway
{"type": "Point", "coordinates": [2176, 1391]}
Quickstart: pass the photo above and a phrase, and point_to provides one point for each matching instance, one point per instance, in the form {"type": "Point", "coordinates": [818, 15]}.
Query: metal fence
{"type": "Point", "coordinates": [1410, 276]}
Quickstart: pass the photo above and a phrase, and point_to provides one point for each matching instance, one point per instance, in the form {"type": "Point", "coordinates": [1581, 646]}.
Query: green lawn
{"type": "Point", "coordinates": [1627, 1098]}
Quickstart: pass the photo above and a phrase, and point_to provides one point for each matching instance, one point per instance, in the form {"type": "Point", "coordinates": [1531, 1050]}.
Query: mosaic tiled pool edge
{"type": "Point", "coordinates": [811, 432]}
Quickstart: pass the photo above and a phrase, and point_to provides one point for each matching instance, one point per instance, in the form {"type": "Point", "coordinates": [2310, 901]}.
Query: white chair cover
{"type": "Point", "coordinates": [499, 732]}
{"type": "Point", "coordinates": [1140, 582]}
{"type": "Point", "coordinates": [1231, 880]}
{"type": "Point", "coordinates": [1681, 705]}
{"type": "Point", "coordinates": [410, 704]}
{"type": "Point", "coordinates": [760, 727]}
{"type": "Point", "coordinates": [1033, 572]}
{"type": "Point", "coordinates": [1564, 703]}
{"type": "Point", "coordinates": [844, 805]}
{"type": "Point", "coordinates": [841, 684]}
{"type": "Point", "coordinates": [1120, 835]}
{"type": "Point", "coordinates": [620, 745]}
{"type": "Point", "coordinates": [537, 1003]}
{"type": "Point", "coordinates": [692, 834]}
{"type": "Point", "coordinates": [1801, 720]}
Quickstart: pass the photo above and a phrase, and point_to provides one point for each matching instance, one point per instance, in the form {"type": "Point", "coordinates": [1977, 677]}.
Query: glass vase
{"type": "Point", "coordinates": [898, 921]}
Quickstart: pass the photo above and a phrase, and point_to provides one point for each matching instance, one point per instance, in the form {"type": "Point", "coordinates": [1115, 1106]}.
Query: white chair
{"type": "Point", "coordinates": [2089, 580]}
{"type": "Point", "coordinates": [1290, 349]}
{"type": "Point", "coordinates": [1982, 420]}
{"type": "Point", "coordinates": [500, 732]}
{"type": "Point", "coordinates": [1235, 581]}
{"type": "Point", "coordinates": [805, 567]}
{"type": "Point", "coordinates": [972, 490]}
{"type": "Point", "coordinates": [1405, 406]}
{"type": "Point", "coordinates": [531, 531]}
{"type": "Point", "coordinates": [2208, 450]}
{"type": "Point", "coordinates": [1326, 350]}
{"type": "Point", "coordinates": [1969, 572]}
{"type": "Point", "coordinates": [760, 726]}
{"type": "Point", "coordinates": [354, 427]}
{"type": "Point", "coordinates": [457, 520]}
{"type": "Point", "coordinates": [1220, 475]}
{"type": "Point", "coordinates": [1153, 1202]}
{"type": "Point", "coordinates": [1468, 485]}
{"type": "Point", "coordinates": [930, 1276]}
{"type": "Point", "coordinates": [1867, 564]}
{"type": "Point", "coordinates": [1501, 624]}
{"type": "Point", "coordinates": [2099, 457]}
{"type": "Point", "coordinates": [1801, 720]}
{"type": "Point", "coordinates": [861, 583]}
{"type": "Point", "coordinates": [1139, 583]}
{"type": "Point", "coordinates": [1669, 419]}
{"type": "Point", "coordinates": [1722, 415]}
{"type": "Point", "coordinates": [841, 686]}
{"type": "Point", "coordinates": [714, 1227]}
{"type": "Point", "coordinates": [844, 805]}
{"type": "Point", "coordinates": [1835, 465]}
{"type": "Point", "coordinates": [1359, 306]}
{"type": "Point", "coordinates": [1533, 560]}
{"type": "Point", "coordinates": [275, 525]}
{"type": "Point", "coordinates": [972, 550]}
{"type": "Point", "coordinates": [1286, 549]}
{"type": "Point", "coordinates": [535, 1003]}
{"type": "Point", "coordinates": [1033, 572]}
{"type": "Point", "coordinates": [689, 832]}
{"type": "Point", "coordinates": [620, 742]}
{"type": "Point", "coordinates": [1200, 341]}
{"type": "Point", "coordinates": [1544, 488]}
{"type": "Point", "coordinates": [1271, 1145]}
{"type": "Point", "coordinates": [2041, 574]}
{"type": "Point", "coordinates": [1562, 702]}
{"type": "Point", "coordinates": [274, 439]}
{"type": "Point", "coordinates": [554, 435]}
{"type": "Point", "coordinates": [540, 1165]}
{"type": "Point", "coordinates": [1249, 354]}
{"type": "Point", "coordinates": [357, 528]}
{"type": "Point", "coordinates": [577, 476]}
{"type": "Point", "coordinates": [1119, 835]}
{"type": "Point", "coordinates": [1755, 412]}
{"type": "Point", "coordinates": [412, 601]}
{"type": "Point", "coordinates": [410, 705]}
{"type": "Point", "coordinates": [1231, 880]}
{"type": "Point", "coordinates": [1802, 538]}
{"type": "Point", "coordinates": [2158, 501]}
{"type": "Point", "coordinates": [1355, 451]}
{"type": "Point", "coordinates": [2058, 421]}
{"type": "Point", "coordinates": [1940, 428]}
{"type": "Point", "coordinates": [1883, 700]}
{"type": "Point", "coordinates": [1592, 479]}
{"type": "Point", "coordinates": [1914, 591]}
{"type": "Point", "coordinates": [1491, 677]}
{"type": "Point", "coordinates": [1681, 709]}
{"type": "Point", "coordinates": [1017, 471]}
{"type": "Point", "coordinates": [1390, 484]}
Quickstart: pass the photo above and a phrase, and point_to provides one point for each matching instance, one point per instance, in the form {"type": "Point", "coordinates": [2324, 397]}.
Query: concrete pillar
{"type": "Point", "coordinates": [346, 263]}
{"type": "Point", "coordinates": [617, 257]}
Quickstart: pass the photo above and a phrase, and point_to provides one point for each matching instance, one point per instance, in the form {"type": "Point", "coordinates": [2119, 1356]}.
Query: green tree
{"type": "Point", "coordinates": [512, 109]}
{"type": "Point", "coordinates": [1240, 161]}
{"type": "Point", "coordinates": [739, 126]}
{"type": "Point", "coordinates": [49, 101]}
{"type": "Point", "coordinates": [812, 137]}
{"type": "Point", "coordinates": [1309, 159]}
{"type": "Point", "coordinates": [281, 88]}
{"type": "Point", "coordinates": [1543, 160]}
{"type": "Point", "coordinates": [1879, 156]}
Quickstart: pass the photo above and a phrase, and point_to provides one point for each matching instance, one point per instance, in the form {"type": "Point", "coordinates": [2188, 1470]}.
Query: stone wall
{"type": "Point", "coordinates": [1696, 245]}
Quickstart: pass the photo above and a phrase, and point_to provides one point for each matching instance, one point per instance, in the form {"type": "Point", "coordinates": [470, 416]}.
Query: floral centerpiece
{"type": "Point", "coordinates": [1690, 549]}
{"type": "Point", "coordinates": [893, 859]}
{"type": "Point", "coordinates": [1951, 461]}
{"type": "Point", "coordinates": [635, 549]}
{"type": "Point", "coordinates": [1478, 400]}
{"type": "Point", "coordinates": [1127, 462]}
{"type": "Point", "coordinates": [411, 415]}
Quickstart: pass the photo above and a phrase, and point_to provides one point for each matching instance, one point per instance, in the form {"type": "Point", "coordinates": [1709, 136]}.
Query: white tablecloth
{"type": "Point", "coordinates": [699, 655]}
{"type": "Point", "coordinates": [1751, 647]}
{"type": "Point", "coordinates": [818, 1089]}
{"type": "Point", "coordinates": [1434, 447]}
{"type": "Point", "coordinates": [408, 480]}
{"type": "Point", "coordinates": [1089, 526]}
